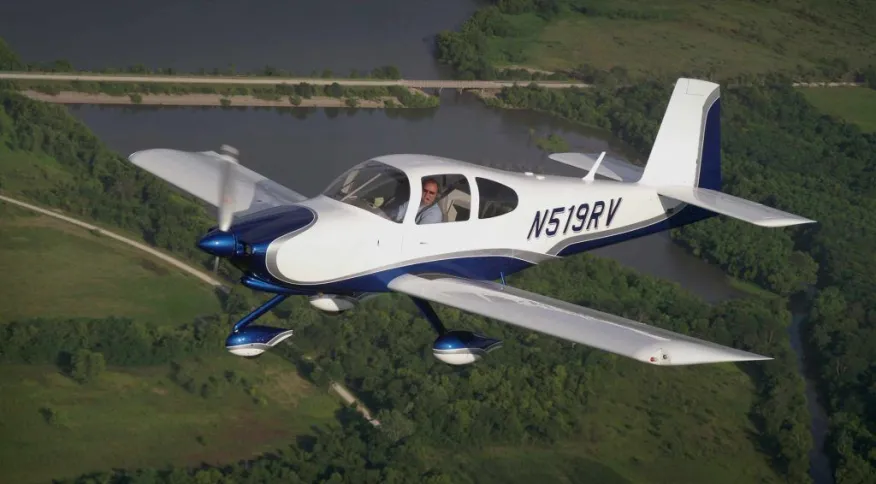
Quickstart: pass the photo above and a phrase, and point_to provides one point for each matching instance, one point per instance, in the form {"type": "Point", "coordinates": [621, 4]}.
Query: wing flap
{"type": "Point", "coordinates": [726, 204]}
{"type": "Point", "coordinates": [579, 324]}
{"type": "Point", "coordinates": [199, 174]}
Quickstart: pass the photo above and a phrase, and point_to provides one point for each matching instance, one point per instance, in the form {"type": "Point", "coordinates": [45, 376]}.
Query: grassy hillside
{"type": "Point", "coordinates": [854, 105]}
{"type": "Point", "coordinates": [62, 270]}
{"type": "Point", "coordinates": [54, 427]}
{"type": "Point", "coordinates": [129, 416]}
{"type": "Point", "coordinates": [642, 37]}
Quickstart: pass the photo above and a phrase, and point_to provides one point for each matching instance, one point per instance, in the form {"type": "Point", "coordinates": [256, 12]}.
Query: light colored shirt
{"type": "Point", "coordinates": [430, 215]}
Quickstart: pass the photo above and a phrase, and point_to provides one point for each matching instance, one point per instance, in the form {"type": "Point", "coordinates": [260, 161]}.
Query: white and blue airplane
{"type": "Point", "coordinates": [445, 231]}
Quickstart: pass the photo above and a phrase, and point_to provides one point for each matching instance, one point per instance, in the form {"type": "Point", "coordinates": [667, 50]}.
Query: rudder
{"type": "Point", "coordinates": [687, 149]}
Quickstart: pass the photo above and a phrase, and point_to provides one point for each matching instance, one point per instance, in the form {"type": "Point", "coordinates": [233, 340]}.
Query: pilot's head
{"type": "Point", "coordinates": [430, 191]}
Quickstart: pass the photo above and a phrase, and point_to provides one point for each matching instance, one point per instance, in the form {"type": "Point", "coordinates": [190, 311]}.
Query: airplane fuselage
{"type": "Point", "coordinates": [334, 247]}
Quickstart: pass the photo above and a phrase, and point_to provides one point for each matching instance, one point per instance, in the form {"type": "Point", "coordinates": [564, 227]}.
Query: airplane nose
{"type": "Point", "coordinates": [220, 244]}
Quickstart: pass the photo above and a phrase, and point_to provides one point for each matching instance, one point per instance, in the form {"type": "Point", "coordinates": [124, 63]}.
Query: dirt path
{"type": "Point", "coordinates": [351, 399]}
{"type": "Point", "coordinates": [203, 276]}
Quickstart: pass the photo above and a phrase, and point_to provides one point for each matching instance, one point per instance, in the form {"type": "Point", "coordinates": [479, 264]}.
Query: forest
{"type": "Point", "coordinates": [537, 391]}
{"type": "Point", "coordinates": [777, 149]}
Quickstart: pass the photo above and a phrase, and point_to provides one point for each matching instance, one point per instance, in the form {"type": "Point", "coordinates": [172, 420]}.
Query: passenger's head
{"type": "Point", "coordinates": [430, 190]}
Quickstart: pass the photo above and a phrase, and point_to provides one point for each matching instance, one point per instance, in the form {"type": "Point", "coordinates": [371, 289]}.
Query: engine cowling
{"type": "Point", "coordinates": [332, 304]}
{"type": "Point", "coordinates": [252, 341]}
{"type": "Point", "coordinates": [463, 347]}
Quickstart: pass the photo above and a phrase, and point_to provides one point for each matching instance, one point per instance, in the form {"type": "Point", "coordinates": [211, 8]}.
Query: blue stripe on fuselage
{"type": "Point", "coordinates": [487, 267]}
{"type": "Point", "coordinates": [258, 230]}
{"type": "Point", "coordinates": [710, 167]}
{"type": "Point", "coordinates": [687, 215]}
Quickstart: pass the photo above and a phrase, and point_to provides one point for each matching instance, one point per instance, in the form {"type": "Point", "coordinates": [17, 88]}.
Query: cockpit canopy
{"type": "Point", "coordinates": [441, 197]}
{"type": "Point", "coordinates": [373, 186]}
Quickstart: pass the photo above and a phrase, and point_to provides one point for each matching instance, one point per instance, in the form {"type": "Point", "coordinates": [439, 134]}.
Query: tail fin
{"type": "Point", "coordinates": [685, 162]}
{"type": "Point", "coordinates": [687, 149]}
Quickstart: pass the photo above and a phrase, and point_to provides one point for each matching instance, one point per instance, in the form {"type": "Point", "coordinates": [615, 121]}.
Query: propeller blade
{"type": "Point", "coordinates": [226, 202]}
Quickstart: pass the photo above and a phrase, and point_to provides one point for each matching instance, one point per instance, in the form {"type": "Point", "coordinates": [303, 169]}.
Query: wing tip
{"type": "Point", "coordinates": [785, 222]}
{"type": "Point", "coordinates": [145, 155]}
{"type": "Point", "coordinates": [680, 353]}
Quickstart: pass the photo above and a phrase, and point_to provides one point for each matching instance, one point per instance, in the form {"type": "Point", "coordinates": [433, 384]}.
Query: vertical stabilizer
{"type": "Point", "coordinates": [687, 149]}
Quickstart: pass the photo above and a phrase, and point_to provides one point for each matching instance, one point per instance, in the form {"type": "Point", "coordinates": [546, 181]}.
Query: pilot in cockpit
{"type": "Point", "coordinates": [429, 212]}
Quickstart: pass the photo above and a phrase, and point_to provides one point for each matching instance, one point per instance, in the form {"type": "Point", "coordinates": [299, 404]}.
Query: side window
{"type": "Point", "coordinates": [443, 198]}
{"type": "Point", "coordinates": [495, 198]}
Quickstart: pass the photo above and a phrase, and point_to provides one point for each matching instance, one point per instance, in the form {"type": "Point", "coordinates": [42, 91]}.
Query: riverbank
{"type": "Point", "coordinates": [273, 81]}
{"type": "Point", "coordinates": [72, 97]}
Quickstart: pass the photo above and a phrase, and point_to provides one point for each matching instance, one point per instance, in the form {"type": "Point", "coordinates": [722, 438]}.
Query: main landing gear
{"type": "Point", "coordinates": [452, 347]}
{"type": "Point", "coordinates": [456, 347]}
{"type": "Point", "coordinates": [251, 341]}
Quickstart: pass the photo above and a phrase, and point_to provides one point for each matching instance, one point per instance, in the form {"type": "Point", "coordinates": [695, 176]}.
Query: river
{"type": "Point", "coordinates": [307, 148]}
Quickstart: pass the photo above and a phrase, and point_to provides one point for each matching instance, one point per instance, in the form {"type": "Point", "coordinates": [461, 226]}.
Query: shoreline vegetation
{"type": "Point", "coordinates": [281, 95]}
{"type": "Point", "coordinates": [206, 100]}
{"type": "Point", "coordinates": [223, 95]}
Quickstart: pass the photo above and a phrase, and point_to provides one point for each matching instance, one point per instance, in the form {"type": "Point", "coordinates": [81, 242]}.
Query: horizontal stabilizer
{"type": "Point", "coordinates": [726, 204]}
{"type": "Point", "coordinates": [200, 174]}
{"type": "Point", "coordinates": [584, 162]}
{"type": "Point", "coordinates": [564, 320]}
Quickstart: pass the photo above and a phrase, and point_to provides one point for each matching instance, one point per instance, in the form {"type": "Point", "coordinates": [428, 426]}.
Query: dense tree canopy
{"type": "Point", "coordinates": [780, 151]}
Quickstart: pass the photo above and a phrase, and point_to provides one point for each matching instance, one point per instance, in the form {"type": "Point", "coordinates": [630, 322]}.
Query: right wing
{"type": "Point", "coordinates": [199, 173]}
{"type": "Point", "coordinates": [726, 204]}
{"type": "Point", "coordinates": [587, 326]}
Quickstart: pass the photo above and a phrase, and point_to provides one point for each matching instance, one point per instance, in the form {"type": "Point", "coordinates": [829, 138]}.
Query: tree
{"type": "Point", "coordinates": [87, 366]}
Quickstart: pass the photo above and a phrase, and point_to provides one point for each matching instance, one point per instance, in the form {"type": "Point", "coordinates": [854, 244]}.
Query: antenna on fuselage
{"type": "Point", "coordinates": [591, 175]}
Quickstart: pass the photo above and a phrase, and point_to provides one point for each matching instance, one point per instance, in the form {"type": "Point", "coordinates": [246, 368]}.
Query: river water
{"type": "Point", "coordinates": [306, 148]}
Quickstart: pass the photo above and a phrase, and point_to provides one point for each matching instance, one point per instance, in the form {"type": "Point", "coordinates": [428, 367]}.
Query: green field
{"type": "Point", "coordinates": [61, 270]}
{"type": "Point", "coordinates": [727, 38]}
{"type": "Point", "coordinates": [645, 424]}
{"type": "Point", "coordinates": [133, 418]}
{"type": "Point", "coordinates": [130, 417]}
{"type": "Point", "coordinates": [854, 105]}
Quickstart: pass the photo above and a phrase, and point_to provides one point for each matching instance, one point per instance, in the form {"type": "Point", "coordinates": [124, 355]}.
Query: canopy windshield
{"type": "Point", "coordinates": [373, 186]}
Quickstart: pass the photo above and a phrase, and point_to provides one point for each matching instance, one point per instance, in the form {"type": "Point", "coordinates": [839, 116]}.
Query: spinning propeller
{"type": "Point", "coordinates": [229, 155]}
{"type": "Point", "coordinates": [223, 243]}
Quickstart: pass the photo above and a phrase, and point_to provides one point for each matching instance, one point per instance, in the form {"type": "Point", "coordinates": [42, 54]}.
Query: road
{"type": "Point", "coordinates": [71, 97]}
{"type": "Point", "coordinates": [414, 83]}
{"type": "Point", "coordinates": [203, 276]}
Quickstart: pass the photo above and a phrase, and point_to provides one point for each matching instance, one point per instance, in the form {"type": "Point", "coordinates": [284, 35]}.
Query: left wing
{"type": "Point", "coordinates": [200, 174]}
{"type": "Point", "coordinates": [574, 323]}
